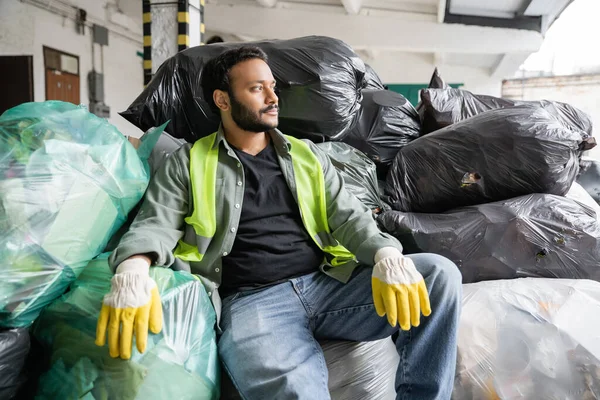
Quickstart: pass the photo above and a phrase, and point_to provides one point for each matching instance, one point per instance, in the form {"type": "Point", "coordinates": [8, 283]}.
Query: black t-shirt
{"type": "Point", "coordinates": [271, 244]}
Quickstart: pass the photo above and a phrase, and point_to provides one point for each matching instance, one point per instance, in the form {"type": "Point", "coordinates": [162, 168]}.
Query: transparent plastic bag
{"type": "Point", "coordinates": [496, 155]}
{"type": "Point", "coordinates": [179, 363]}
{"type": "Point", "coordinates": [529, 339]}
{"type": "Point", "coordinates": [358, 371]}
{"type": "Point", "coordinates": [67, 181]}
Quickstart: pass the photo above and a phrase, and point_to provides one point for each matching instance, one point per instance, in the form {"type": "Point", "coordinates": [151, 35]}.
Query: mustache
{"type": "Point", "coordinates": [269, 108]}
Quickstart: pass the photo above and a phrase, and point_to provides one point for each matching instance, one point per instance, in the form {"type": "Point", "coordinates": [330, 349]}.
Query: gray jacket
{"type": "Point", "coordinates": [160, 223]}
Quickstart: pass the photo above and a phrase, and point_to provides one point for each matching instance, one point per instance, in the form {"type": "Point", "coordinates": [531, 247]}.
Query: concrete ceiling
{"type": "Point", "coordinates": [494, 34]}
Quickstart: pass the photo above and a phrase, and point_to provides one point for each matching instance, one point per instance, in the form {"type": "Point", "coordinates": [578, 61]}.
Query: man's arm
{"type": "Point", "coordinates": [351, 222]}
{"type": "Point", "coordinates": [159, 224]}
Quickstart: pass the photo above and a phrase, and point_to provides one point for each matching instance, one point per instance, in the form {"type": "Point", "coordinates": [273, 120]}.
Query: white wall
{"type": "Point", "coordinates": [409, 68]}
{"type": "Point", "coordinates": [25, 29]}
{"type": "Point", "coordinates": [580, 91]}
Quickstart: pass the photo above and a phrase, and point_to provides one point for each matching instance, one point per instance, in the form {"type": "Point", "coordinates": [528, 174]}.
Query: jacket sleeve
{"type": "Point", "coordinates": [160, 223]}
{"type": "Point", "coordinates": [351, 222]}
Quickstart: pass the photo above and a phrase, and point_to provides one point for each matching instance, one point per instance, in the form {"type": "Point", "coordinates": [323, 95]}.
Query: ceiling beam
{"type": "Point", "coordinates": [439, 59]}
{"type": "Point", "coordinates": [523, 9]}
{"type": "Point", "coordinates": [352, 6]}
{"type": "Point", "coordinates": [441, 10]}
{"type": "Point", "coordinates": [508, 65]}
{"type": "Point", "coordinates": [267, 3]}
{"type": "Point", "coordinates": [528, 23]}
{"type": "Point", "coordinates": [364, 32]}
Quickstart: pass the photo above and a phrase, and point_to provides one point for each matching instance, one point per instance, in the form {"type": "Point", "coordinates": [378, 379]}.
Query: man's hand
{"type": "Point", "coordinates": [132, 303]}
{"type": "Point", "coordinates": [399, 289]}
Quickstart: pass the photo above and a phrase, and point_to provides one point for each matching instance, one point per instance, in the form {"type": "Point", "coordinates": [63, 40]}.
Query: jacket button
{"type": "Point", "coordinates": [237, 206]}
{"type": "Point", "coordinates": [217, 269]}
{"type": "Point", "coordinates": [239, 183]}
{"type": "Point", "coordinates": [225, 253]}
{"type": "Point", "coordinates": [232, 229]}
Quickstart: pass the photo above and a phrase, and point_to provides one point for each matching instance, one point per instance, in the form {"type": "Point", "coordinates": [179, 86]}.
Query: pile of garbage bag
{"type": "Point", "coordinates": [68, 179]}
{"type": "Point", "coordinates": [589, 177]}
{"type": "Point", "coordinates": [372, 80]}
{"type": "Point", "coordinates": [529, 339]}
{"type": "Point", "coordinates": [538, 235]}
{"type": "Point", "coordinates": [14, 348]}
{"type": "Point", "coordinates": [319, 81]}
{"type": "Point", "coordinates": [326, 93]}
{"type": "Point", "coordinates": [444, 107]}
{"type": "Point", "coordinates": [496, 155]}
{"type": "Point", "coordinates": [358, 172]}
{"type": "Point", "coordinates": [180, 362]}
{"type": "Point", "coordinates": [385, 123]}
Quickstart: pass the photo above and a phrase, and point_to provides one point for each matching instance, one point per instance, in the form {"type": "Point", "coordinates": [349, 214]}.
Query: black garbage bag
{"type": "Point", "coordinates": [358, 172]}
{"type": "Point", "coordinates": [443, 107]}
{"type": "Point", "coordinates": [436, 82]}
{"type": "Point", "coordinates": [386, 122]}
{"type": "Point", "coordinates": [538, 235]}
{"type": "Point", "coordinates": [589, 177]}
{"type": "Point", "coordinates": [496, 155]}
{"type": "Point", "coordinates": [14, 348]}
{"type": "Point", "coordinates": [319, 79]}
{"type": "Point", "coordinates": [372, 80]}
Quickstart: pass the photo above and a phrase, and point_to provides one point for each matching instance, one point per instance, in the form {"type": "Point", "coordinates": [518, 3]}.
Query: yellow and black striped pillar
{"type": "Point", "coordinates": [202, 28]}
{"type": "Point", "coordinates": [183, 25]}
{"type": "Point", "coordinates": [147, 17]}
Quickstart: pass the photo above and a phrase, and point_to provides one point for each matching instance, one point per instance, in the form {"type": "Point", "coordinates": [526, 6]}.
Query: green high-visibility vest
{"type": "Point", "coordinates": [310, 188]}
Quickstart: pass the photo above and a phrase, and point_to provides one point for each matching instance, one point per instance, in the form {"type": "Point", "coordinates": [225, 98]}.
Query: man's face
{"type": "Point", "coordinates": [254, 104]}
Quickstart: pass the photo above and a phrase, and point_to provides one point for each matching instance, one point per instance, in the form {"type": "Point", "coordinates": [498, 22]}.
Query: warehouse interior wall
{"type": "Point", "coordinates": [416, 68]}
{"type": "Point", "coordinates": [25, 29]}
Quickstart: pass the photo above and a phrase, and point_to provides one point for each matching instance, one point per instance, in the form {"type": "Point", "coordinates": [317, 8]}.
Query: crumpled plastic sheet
{"type": "Point", "coordinates": [529, 338]}
{"type": "Point", "coordinates": [493, 156]}
{"type": "Point", "coordinates": [358, 172]}
{"type": "Point", "coordinates": [14, 348]}
{"type": "Point", "coordinates": [444, 107]}
{"type": "Point", "coordinates": [67, 181]}
{"type": "Point", "coordinates": [385, 123]}
{"type": "Point", "coordinates": [180, 362]}
{"type": "Point", "coordinates": [319, 81]}
{"type": "Point", "coordinates": [530, 236]}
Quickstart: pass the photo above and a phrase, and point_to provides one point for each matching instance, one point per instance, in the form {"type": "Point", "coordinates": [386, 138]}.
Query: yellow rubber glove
{"type": "Point", "coordinates": [399, 289]}
{"type": "Point", "coordinates": [132, 306]}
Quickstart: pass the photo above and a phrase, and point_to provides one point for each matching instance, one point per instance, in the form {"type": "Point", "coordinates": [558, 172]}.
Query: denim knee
{"type": "Point", "coordinates": [447, 277]}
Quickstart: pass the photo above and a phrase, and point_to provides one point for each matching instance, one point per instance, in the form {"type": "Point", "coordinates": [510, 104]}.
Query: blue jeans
{"type": "Point", "coordinates": [269, 343]}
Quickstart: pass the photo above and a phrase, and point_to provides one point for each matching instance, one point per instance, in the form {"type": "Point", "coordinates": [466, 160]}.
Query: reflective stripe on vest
{"type": "Point", "coordinates": [310, 188]}
{"type": "Point", "coordinates": [203, 168]}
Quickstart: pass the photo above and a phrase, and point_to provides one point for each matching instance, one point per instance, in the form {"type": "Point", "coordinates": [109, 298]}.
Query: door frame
{"type": "Point", "coordinates": [44, 48]}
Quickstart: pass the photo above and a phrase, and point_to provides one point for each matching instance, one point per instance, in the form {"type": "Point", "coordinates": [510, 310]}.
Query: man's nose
{"type": "Point", "coordinates": [271, 96]}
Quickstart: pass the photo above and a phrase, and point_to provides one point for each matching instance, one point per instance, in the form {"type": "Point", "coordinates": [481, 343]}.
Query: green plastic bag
{"type": "Point", "coordinates": [68, 179]}
{"type": "Point", "coordinates": [179, 363]}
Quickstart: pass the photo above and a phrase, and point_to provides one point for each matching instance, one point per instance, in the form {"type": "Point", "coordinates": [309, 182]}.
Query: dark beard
{"type": "Point", "coordinates": [247, 119]}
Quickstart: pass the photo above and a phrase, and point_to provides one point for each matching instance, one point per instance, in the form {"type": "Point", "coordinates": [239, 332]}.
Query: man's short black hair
{"type": "Point", "coordinates": [215, 74]}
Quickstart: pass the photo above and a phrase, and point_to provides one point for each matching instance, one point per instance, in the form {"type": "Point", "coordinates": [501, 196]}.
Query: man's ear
{"type": "Point", "coordinates": [221, 99]}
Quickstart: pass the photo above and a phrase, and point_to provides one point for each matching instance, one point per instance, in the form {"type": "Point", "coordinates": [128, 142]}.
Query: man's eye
{"type": "Point", "coordinates": [255, 88]}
